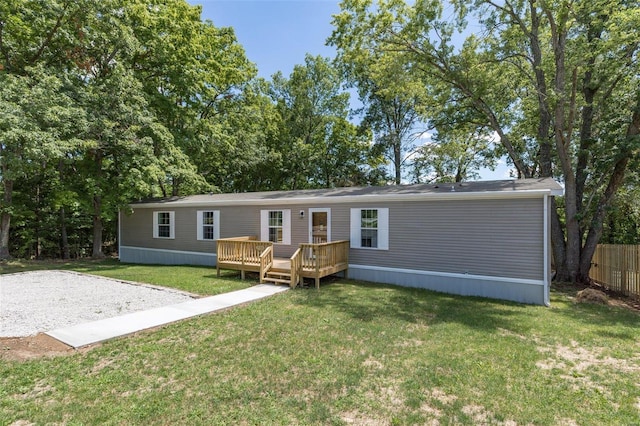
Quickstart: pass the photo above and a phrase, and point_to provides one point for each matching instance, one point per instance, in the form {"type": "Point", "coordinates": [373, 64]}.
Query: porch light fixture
{"type": "Point", "coordinates": [301, 214]}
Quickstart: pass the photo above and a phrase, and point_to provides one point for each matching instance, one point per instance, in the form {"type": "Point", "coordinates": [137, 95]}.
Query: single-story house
{"type": "Point", "coordinates": [489, 239]}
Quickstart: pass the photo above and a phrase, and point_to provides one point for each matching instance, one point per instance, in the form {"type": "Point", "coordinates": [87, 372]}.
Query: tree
{"type": "Point", "coordinates": [38, 122]}
{"type": "Point", "coordinates": [191, 72]}
{"type": "Point", "coordinates": [453, 155]}
{"type": "Point", "coordinates": [141, 76]}
{"type": "Point", "coordinates": [392, 100]}
{"type": "Point", "coordinates": [544, 78]}
{"type": "Point", "coordinates": [392, 120]}
{"type": "Point", "coordinates": [622, 220]}
{"type": "Point", "coordinates": [236, 154]}
{"type": "Point", "coordinates": [117, 159]}
{"type": "Point", "coordinates": [318, 146]}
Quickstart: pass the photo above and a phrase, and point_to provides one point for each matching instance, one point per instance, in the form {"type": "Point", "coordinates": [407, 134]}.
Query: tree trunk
{"type": "Point", "coordinates": [397, 159]}
{"type": "Point", "coordinates": [64, 240]}
{"type": "Point", "coordinates": [558, 244]}
{"type": "Point", "coordinates": [572, 226]}
{"type": "Point", "coordinates": [615, 181]}
{"type": "Point", "coordinates": [37, 223]}
{"type": "Point", "coordinates": [97, 210]}
{"type": "Point", "coordinates": [5, 219]}
{"type": "Point", "coordinates": [97, 227]}
{"type": "Point", "coordinates": [569, 268]}
{"type": "Point", "coordinates": [573, 235]}
{"type": "Point", "coordinates": [544, 124]}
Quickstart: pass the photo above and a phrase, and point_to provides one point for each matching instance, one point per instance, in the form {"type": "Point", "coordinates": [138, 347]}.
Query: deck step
{"type": "Point", "coordinates": [278, 277]}
{"type": "Point", "coordinates": [278, 274]}
{"type": "Point", "coordinates": [277, 280]}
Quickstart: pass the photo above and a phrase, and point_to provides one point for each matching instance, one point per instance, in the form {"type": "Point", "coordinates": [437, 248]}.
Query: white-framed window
{"type": "Point", "coordinates": [164, 224]}
{"type": "Point", "coordinates": [370, 228]}
{"type": "Point", "coordinates": [208, 225]}
{"type": "Point", "coordinates": [275, 226]}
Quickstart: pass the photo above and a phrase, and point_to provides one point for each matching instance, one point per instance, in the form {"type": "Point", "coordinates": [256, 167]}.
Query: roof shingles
{"type": "Point", "coordinates": [497, 186]}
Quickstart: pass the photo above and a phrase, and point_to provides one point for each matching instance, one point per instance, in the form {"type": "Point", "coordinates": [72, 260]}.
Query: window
{"type": "Point", "coordinates": [163, 225]}
{"type": "Point", "coordinates": [370, 228]}
{"type": "Point", "coordinates": [208, 225]}
{"type": "Point", "coordinates": [275, 226]}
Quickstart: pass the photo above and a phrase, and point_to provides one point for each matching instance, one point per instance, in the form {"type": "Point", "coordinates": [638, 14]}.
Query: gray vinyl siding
{"type": "Point", "coordinates": [481, 237]}
{"type": "Point", "coordinates": [492, 237]}
{"type": "Point", "coordinates": [136, 230]}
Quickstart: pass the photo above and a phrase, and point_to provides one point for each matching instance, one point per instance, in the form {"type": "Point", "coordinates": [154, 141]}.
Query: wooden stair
{"type": "Point", "coordinates": [278, 277]}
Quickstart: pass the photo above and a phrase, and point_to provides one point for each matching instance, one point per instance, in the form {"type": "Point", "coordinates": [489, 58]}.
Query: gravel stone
{"type": "Point", "coordinates": [34, 302]}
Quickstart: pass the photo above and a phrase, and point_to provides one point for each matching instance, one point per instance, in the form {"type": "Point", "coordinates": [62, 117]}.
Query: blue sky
{"type": "Point", "coordinates": [276, 35]}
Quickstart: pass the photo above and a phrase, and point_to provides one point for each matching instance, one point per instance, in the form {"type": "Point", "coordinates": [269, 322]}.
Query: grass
{"type": "Point", "coordinates": [194, 279]}
{"type": "Point", "coordinates": [352, 353]}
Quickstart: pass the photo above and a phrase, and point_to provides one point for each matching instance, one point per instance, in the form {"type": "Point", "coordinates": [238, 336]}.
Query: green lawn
{"type": "Point", "coordinates": [352, 353]}
{"type": "Point", "coordinates": [195, 279]}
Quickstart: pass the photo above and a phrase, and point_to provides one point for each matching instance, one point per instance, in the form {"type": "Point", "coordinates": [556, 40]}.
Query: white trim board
{"type": "Point", "coordinates": [374, 198]}
{"type": "Point", "coordinates": [313, 210]}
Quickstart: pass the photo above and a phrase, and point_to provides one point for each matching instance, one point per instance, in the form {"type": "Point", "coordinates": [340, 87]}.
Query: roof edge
{"type": "Point", "coordinates": [364, 198]}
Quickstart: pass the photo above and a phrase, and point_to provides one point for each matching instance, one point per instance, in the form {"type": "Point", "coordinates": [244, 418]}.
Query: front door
{"type": "Point", "coordinates": [319, 226]}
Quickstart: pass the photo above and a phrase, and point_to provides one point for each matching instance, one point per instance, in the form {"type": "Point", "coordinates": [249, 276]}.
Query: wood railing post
{"type": "Point", "coordinates": [218, 245]}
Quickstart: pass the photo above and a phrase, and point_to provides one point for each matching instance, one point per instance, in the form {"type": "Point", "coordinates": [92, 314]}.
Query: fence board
{"type": "Point", "coordinates": [617, 267]}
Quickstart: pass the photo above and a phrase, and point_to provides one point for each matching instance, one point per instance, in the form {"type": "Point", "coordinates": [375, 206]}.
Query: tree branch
{"type": "Point", "coordinates": [50, 35]}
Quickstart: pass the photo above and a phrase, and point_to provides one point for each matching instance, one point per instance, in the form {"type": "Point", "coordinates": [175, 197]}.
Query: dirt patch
{"type": "Point", "coordinates": [591, 295]}
{"type": "Point", "coordinates": [613, 298]}
{"type": "Point", "coordinates": [578, 366]}
{"type": "Point", "coordinates": [582, 360]}
{"type": "Point", "coordinates": [32, 347]}
{"type": "Point", "coordinates": [626, 303]}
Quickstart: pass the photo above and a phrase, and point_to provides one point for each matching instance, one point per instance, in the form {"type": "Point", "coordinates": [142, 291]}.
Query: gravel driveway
{"type": "Point", "coordinates": [34, 302]}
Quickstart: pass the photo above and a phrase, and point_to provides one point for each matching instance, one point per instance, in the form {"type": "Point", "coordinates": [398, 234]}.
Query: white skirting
{"type": "Point", "coordinates": [165, 257]}
{"type": "Point", "coordinates": [515, 289]}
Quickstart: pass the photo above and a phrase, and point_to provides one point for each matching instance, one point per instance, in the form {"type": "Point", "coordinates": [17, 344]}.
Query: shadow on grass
{"type": "Point", "coordinates": [366, 302]}
{"type": "Point", "coordinates": [608, 321]}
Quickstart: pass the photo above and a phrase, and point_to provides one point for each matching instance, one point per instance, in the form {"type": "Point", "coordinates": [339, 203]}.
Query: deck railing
{"type": "Point", "coordinates": [617, 267]}
{"type": "Point", "coordinates": [245, 252]}
{"type": "Point", "coordinates": [296, 265]}
{"type": "Point", "coordinates": [309, 260]}
{"type": "Point", "coordinates": [324, 255]}
{"type": "Point", "coordinates": [242, 249]}
{"type": "Point", "coordinates": [266, 261]}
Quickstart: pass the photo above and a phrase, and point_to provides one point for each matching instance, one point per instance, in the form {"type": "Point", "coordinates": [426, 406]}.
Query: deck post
{"type": "Point", "coordinates": [316, 256]}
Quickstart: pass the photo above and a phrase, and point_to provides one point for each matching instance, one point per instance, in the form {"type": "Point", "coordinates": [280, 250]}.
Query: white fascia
{"type": "Point", "coordinates": [351, 199]}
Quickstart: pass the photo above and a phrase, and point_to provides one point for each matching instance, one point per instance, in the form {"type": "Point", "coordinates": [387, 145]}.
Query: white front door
{"type": "Point", "coordinates": [319, 226]}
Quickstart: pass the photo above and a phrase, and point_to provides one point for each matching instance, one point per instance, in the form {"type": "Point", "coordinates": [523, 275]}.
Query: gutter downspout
{"type": "Point", "coordinates": [547, 254]}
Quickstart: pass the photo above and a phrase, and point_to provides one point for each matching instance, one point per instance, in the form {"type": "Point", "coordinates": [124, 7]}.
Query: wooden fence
{"type": "Point", "coordinates": [617, 267]}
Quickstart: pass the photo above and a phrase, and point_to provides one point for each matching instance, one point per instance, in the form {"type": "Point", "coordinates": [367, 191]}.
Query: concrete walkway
{"type": "Point", "coordinates": [99, 331]}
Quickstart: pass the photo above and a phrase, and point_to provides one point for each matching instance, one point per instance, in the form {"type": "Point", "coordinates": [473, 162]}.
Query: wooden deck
{"type": "Point", "coordinates": [309, 261]}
